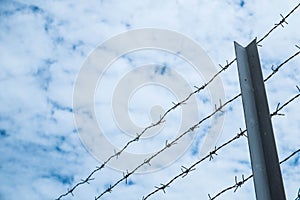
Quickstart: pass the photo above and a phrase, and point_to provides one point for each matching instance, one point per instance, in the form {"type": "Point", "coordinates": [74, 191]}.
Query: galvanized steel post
{"type": "Point", "coordinates": [264, 159]}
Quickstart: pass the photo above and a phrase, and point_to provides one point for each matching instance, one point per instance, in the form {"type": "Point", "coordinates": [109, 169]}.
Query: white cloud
{"type": "Point", "coordinates": [44, 44]}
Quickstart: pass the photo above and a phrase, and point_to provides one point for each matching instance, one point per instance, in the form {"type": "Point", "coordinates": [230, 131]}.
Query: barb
{"type": "Point", "coordinates": [175, 105]}
{"type": "Point", "coordinates": [275, 70]}
{"type": "Point", "coordinates": [240, 183]}
{"type": "Point", "coordinates": [162, 187]}
{"type": "Point", "coordinates": [278, 108]}
{"type": "Point", "coordinates": [280, 23]}
{"type": "Point", "coordinates": [185, 171]}
{"type": "Point", "coordinates": [298, 197]}
{"type": "Point", "coordinates": [214, 152]}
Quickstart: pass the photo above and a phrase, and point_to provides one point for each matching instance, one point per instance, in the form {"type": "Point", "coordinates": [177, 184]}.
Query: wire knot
{"type": "Point", "coordinates": [282, 21]}
{"type": "Point", "coordinates": [162, 187]}
{"type": "Point", "coordinates": [238, 183]}
{"type": "Point", "coordinates": [214, 152]}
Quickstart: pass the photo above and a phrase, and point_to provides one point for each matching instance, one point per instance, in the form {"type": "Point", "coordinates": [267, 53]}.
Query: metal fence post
{"type": "Point", "coordinates": [264, 159]}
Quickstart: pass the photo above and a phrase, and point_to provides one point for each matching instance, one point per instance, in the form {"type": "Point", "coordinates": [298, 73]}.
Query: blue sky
{"type": "Point", "coordinates": [42, 48]}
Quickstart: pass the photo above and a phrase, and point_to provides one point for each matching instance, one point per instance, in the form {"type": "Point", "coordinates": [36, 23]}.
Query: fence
{"type": "Point", "coordinates": [186, 170]}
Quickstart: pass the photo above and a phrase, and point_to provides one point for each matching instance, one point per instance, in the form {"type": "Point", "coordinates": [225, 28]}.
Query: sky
{"type": "Point", "coordinates": [43, 48]}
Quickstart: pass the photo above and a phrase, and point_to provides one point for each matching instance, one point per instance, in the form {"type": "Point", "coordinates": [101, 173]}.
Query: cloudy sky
{"type": "Point", "coordinates": [43, 46]}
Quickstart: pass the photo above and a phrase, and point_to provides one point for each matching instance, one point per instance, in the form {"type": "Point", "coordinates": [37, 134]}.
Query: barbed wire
{"type": "Point", "coordinates": [168, 145]}
{"type": "Point", "coordinates": [243, 181]}
{"type": "Point", "coordinates": [186, 170]}
{"type": "Point", "coordinates": [191, 129]}
{"type": "Point", "coordinates": [175, 105]}
{"type": "Point", "coordinates": [138, 135]}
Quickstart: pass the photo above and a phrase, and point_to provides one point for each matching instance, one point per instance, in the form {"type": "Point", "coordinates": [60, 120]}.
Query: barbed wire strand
{"type": "Point", "coordinates": [161, 120]}
{"type": "Point", "coordinates": [191, 129]}
{"type": "Point", "coordinates": [186, 170]}
{"type": "Point", "coordinates": [243, 181]}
